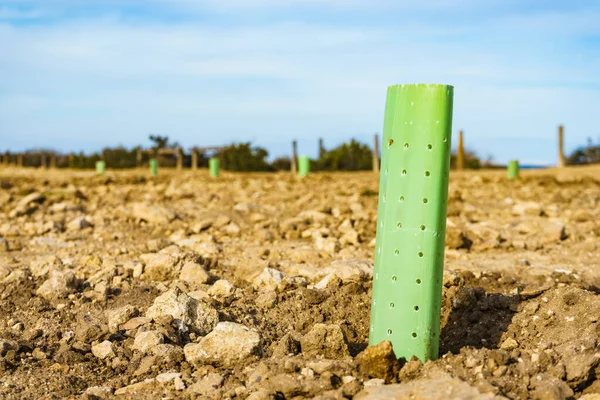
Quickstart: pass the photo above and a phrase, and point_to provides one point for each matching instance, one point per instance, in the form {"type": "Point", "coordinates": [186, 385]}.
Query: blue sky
{"type": "Point", "coordinates": [83, 74]}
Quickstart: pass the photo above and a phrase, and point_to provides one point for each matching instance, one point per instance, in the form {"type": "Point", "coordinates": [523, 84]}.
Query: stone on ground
{"type": "Point", "coordinates": [146, 341]}
{"type": "Point", "coordinates": [103, 350]}
{"type": "Point", "coordinates": [196, 314]}
{"type": "Point", "coordinates": [194, 273]}
{"type": "Point", "coordinates": [58, 286]}
{"type": "Point", "coordinates": [268, 280]}
{"type": "Point", "coordinates": [159, 266]}
{"type": "Point", "coordinates": [152, 213]}
{"type": "Point", "coordinates": [227, 344]}
{"type": "Point", "coordinates": [119, 316]}
{"type": "Point", "coordinates": [378, 361]}
{"type": "Point", "coordinates": [325, 340]}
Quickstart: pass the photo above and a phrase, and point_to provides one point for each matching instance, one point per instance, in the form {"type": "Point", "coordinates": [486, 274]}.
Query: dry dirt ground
{"type": "Point", "coordinates": [258, 286]}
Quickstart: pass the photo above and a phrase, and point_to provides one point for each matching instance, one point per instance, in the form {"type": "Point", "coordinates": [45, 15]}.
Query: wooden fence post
{"type": "Point", "coordinates": [194, 159]}
{"type": "Point", "coordinates": [179, 154]}
{"type": "Point", "coordinates": [460, 153]}
{"type": "Point", "coordinates": [375, 153]}
{"type": "Point", "coordinates": [294, 160]}
{"type": "Point", "coordinates": [561, 150]}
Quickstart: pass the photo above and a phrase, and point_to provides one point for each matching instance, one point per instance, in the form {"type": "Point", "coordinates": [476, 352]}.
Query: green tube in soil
{"type": "Point", "coordinates": [153, 167]}
{"type": "Point", "coordinates": [100, 167]}
{"type": "Point", "coordinates": [411, 219]}
{"type": "Point", "coordinates": [513, 169]}
{"type": "Point", "coordinates": [214, 165]}
{"type": "Point", "coordinates": [303, 165]}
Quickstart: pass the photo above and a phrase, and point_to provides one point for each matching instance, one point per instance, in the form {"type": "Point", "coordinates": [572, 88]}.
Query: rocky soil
{"type": "Point", "coordinates": [258, 286]}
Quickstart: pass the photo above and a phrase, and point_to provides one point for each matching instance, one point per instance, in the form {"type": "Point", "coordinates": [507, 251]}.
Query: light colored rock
{"type": "Point", "coordinates": [194, 273]}
{"type": "Point", "coordinates": [145, 341]}
{"type": "Point", "coordinates": [137, 388]}
{"type": "Point", "coordinates": [152, 213]}
{"type": "Point", "coordinates": [99, 392]}
{"type": "Point", "coordinates": [201, 225]}
{"type": "Point", "coordinates": [427, 389]}
{"type": "Point", "coordinates": [103, 350]}
{"type": "Point", "coordinates": [23, 206]}
{"type": "Point", "coordinates": [350, 238]}
{"type": "Point", "coordinates": [530, 208]}
{"type": "Point", "coordinates": [553, 231]}
{"type": "Point", "coordinates": [78, 224]}
{"type": "Point", "coordinates": [582, 215]}
{"type": "Point", "coordinates": [221, 289]}
{"type": "Point", "coordinates": [159, 267]}
{"type": "Point", "coordinates": [330, 244]}
{"type": "Point", "coordinates": [119, 316]}
{"type": "Point", "coordinates": [178, 384]}
{"type": "Point", "coordinates": [199, 295]}
{"type": "Point", "coordinates": [58, 286]}
{"type": "Point", "coordinates": [208, 385]}
{"type": "Point", "coordinates": [41, 266]}
{"type": "Point", "coordinates": [137, 269]}
{"type": "Point", "coordinates": [374, 382]}
{"type": "Point", "coordinates": [244, 207]}
{"type": "Point", "coordinates": [168, 352]}
{"type": "Point", "coordinates": [155, 245]}
{"type": "Point", "coordinates": [194, 313]}
{"type": "Point", "coordinates": [167, 377]}
{"type": "Point", "coordinates": [330, 281]}
{"type": "Point", "coordinates": [221, 221]}
{"type": "Point", "coordinates": [206, 249]}
{"type": "Point", "coordinates": [313, 215]}
{"type": "Point", "coordinates": [349, 270]}
{"type": "Point", "coordinates": [260, 394]}
{"type": "Point", "coordinates": [509, 344]}
{"type": "Point", "coordinates": [227, 344]}
{"type": "Point", "coordinates": [326, 340]}
{"type": "Point", "coordinates": [232, 229]}
{"type": "Point", "coordinates": [266, 300]}
{"type": "Point", "coordinates": [268, 279]}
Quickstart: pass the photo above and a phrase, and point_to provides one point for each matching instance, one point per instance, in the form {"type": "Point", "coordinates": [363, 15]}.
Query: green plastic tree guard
{"type": "Point", "coordinates": [153, 167]}
{"type": "Point", "coordinates": [303, 165]}
{"type": "Point", "coordinates": [214, 166]}
{"type": "Point", "coordinates": [100, 167]}
{"type": "Point", "coordinates": [411, 219]}
{"type": "Point", "coordinates": [513, 169]}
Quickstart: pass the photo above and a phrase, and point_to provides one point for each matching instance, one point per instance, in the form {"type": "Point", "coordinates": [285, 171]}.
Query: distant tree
{"type": "Point", "coordinates": [160, 142]}
{"type": "Point", "coordinates": [282, 164]}
{"type": "Point", "coordinates": [120, 157]}
{"type": "Point", "coordinates": [351, 156]}
{"type": "Point", "coordinates": [472, 161]}
{"type": "Point", "coordinates": [244, 158]}
{"type": "Point", "coordinates": [588, 154]}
